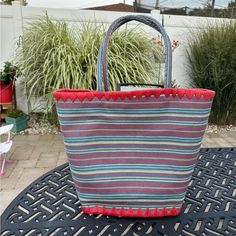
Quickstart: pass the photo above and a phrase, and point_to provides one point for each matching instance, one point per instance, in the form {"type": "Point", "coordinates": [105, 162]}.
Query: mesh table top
{"type": "Point", "coordinates": [49, 206]}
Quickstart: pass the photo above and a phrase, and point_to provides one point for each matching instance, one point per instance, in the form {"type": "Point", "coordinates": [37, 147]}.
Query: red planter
{"type": "Point", "coordinates": [6, 93]}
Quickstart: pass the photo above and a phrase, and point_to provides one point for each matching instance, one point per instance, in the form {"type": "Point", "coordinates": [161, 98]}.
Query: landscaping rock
{"type": "Point", "coordinates": [220, 128]}
{"type": "Point", "coordinates": [39, 125]}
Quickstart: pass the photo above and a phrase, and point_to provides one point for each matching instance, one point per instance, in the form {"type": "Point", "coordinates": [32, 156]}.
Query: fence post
{"type": "Point", "coordinates": [17, 19]}
{"type": "Point", "coordinates": [157, 15]}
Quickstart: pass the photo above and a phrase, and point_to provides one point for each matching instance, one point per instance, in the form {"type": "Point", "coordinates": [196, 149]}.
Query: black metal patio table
{"type": "Point", "coordinates": [49, 206]}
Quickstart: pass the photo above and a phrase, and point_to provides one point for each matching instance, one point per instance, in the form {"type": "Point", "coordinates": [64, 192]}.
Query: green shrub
{"type": "Point", "coordinates": [53, 56]}
{"type": "Point", "coordinates": [14, 113]}
{"type": "Point", "coordinates": [7, 2]}
{"type": "Point", "coordinates": [212, 60]}
{"type": "Point", "coordinates": [8, 73]}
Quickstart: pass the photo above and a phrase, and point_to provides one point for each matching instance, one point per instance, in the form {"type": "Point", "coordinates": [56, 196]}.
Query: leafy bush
{"type": "Point", "coordinates": [8, 73]}
{"type": "Point", "coordinates": [7, 2]}
{"type": "Point", "coordinates": [53, 56]}
{"type": "Point", "coordinates": [212, 60]}
{"type": "Point", "coordinates": [14, 113]}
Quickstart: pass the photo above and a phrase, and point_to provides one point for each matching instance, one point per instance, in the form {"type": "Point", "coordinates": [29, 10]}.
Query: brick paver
{"type": "Point", "coordinates": [35, 155]}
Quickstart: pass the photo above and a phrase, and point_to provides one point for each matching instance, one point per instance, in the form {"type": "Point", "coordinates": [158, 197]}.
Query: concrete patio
{"type": "Point", "coordinates": [35, 155]}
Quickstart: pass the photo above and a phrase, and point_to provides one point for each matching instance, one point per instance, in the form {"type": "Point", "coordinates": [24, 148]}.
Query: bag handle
{"type": "Point", "coordinates": [102, 78]}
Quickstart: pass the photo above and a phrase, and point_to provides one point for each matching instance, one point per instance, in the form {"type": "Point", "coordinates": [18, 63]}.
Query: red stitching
{"type": "Point", "coordinates": [131, 212]}
{"type": "Point", "coordinates": [74, 94]}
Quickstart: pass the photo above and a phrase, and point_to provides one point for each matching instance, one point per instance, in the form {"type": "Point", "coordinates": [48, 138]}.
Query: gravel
{"type": "Point", "coordinates": [39, 125]}
{"type": "Point", "coordinates": [220, 128]}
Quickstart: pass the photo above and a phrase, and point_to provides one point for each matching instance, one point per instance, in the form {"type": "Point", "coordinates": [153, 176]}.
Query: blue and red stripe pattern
{"type": "Point", "coordinates": [132, 153]}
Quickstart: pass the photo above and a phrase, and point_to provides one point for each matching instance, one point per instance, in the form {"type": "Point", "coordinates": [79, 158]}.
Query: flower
{"type": "Point", "coordinates": [159, 41]}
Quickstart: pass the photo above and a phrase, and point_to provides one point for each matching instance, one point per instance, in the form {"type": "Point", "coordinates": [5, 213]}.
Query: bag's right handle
{"type": "Point", "coordinates": [102, 78]}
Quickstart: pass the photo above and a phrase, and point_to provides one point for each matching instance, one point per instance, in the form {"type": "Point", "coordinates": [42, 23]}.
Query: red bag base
{"type": "Point", "coordinates": [131, 212]}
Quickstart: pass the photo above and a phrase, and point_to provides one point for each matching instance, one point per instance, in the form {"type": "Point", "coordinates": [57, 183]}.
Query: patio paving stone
{"type": "Point", "coordinates": [6, 197]}
{"type": "Point", "coordinates": [22, 152]}
{"type": "Point", "coordinates": [28, 176]}
{"type": "Point", "coordinates": [62, 156]}
{"type": "Point", "coordinates": [47, 160]}
{"type": "Point", "coordinates": [25, 163]}
{"type": "Point", "coordinates": [7, 183]}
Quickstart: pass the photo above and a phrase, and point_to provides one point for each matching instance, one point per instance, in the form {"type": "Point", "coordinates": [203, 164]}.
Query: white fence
{"type": "Point", "coordinates": [16, 17]}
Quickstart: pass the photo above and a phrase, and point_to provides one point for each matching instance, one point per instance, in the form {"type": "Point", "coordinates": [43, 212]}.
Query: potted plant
{"type": "Point", "coordinates": [18, 118]}
{"type": "Point", "coordinates": [9, 2]}
{"type": "Point", "coordinates": [7, 75]}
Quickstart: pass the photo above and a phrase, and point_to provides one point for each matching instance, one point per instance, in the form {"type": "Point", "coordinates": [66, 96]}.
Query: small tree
{"type": "Point", "coordinates": [206, 4]}
{"type": "Point", "coordinates": [232, 9]}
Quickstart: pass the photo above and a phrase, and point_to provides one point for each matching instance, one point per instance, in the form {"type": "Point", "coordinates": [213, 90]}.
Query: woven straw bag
{"type": "Point", "coordinates": [132, 153]}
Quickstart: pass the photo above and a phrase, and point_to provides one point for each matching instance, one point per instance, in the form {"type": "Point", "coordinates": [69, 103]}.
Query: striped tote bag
{"type": "Point", "coordinates": [132, 153]}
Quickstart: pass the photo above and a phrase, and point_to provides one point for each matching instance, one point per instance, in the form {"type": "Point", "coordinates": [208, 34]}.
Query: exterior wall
{"type": "Point", "coordinates": [16, 17]}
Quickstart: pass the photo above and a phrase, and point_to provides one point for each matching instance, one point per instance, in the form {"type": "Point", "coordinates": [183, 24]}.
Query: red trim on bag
{"type": "Point", "coordinates": [131, 212]}
{"type": "Point", "coordinates": [81, 94]}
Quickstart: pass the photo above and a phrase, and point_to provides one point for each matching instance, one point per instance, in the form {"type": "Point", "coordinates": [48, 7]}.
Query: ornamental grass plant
{"type": "Point", "coordinates": [52, 56]}
{"type": "Point", "coordinates": [212, 65]}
